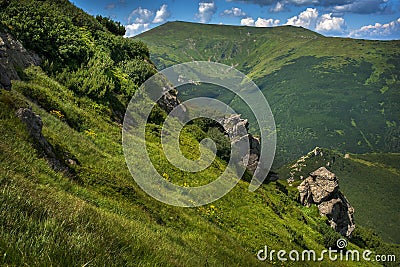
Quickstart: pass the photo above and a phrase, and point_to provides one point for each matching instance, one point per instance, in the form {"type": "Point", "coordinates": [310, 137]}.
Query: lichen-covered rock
{"type": "Point", "coordinates": [13, 56]}
{"type": "Point", "coordinates": [169, 100]}
{"type": "Point", "coordinates": [322, 188]}
{"type": "Point", "coordinates": [34, 126]}
{"type": "Point", "coordinates": [234, 125]}
{"type": "Point", "coordinates": [339, 213]}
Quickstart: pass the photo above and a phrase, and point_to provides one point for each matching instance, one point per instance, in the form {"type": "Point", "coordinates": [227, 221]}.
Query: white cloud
{"type": "Point", "coordinates": [162, 14]}
{"type": "Point", "coordinates": [234, 11]}
{"type": "Point", "coordinates": [267, 22]}
{"type": "Point", "coordinates": [136, 28]}
{"type": "Point", "coordinates": [306, 19]}
{"type": "Point", "coordinates": [389, 30]}
{"type": "Point", "coordinates": [247, 22]}
{"type": "Point", "coordinates": [141, 19]}
{"type": "Point", "coordinates": [327, 23]}
{"type": "Point", "coordinates": [141, 16]}
{"type": "Point", "coordinates": [260, 22]}
{"type": "Point", "coordinates": [206, 11]}
{"type": "Point", "coordinates": [279, 7]}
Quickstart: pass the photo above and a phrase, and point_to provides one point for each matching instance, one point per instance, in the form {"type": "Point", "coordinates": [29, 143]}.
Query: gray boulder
{"type": "Point", "coordinates": [322, 188]}
{"type": "Point", "coordinates": [34, 126]}
{"type": "Point", "coordinates": [234, 126]}
{"type": "Point", "coordinates": [13, 56]}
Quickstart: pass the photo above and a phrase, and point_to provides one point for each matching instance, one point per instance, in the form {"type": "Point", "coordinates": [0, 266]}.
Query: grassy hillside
{"type": "Point", "coordinates": [321, 90]}
{"type": "Point", "coordinates": [95, 214]}
{"type": "Point", "coordinates": [99, 216]}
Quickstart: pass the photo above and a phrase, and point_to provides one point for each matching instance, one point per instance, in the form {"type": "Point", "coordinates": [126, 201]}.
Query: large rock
{"type": "Point", "coordinates": [13, 56]}
{"type": "Point", "coordinates": [34, 126]}
{"type": "Point", "coordinates": [169, 100]}
{"type": "Point", "coordinates": [234, 126]}
{"type": "Point", "coordinates": [322, 188]}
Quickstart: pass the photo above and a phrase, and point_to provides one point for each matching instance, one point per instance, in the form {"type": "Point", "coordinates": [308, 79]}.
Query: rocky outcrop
{"type": "Point", "coordinates": [34, 126]}
{"type": "Point", "coordinates": [13, 56]}
{"type": "Point", "coordinates": [322, 188]}
{"type": "Point", "coordinates": [169, 100]}
{"type": "Point", "coordinates": [233, 125]}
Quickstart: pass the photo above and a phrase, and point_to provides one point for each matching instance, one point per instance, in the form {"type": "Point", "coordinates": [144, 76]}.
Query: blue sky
{"type": "Point", "coordinates": [368, 19]}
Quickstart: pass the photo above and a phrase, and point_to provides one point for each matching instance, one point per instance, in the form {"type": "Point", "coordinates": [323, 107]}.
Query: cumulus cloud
{"type": "Point", "coordinates": [162, 14]}
{"type": "Point", "coordinates": [389, 30]}
{"type": "Point", "coordinates": [141, 16]}
{"type": "Point", "coordinates": [141, 19]}
{"type": "Point", "coordinates": [306, 19]}
{"type": "Point", "coordinates": [260, 22]}
{"type": "Point", "coordinates": [328, 23]}
{"type": "Point", "coordinates": [233, 12]}
{"type": "Point", "coordinates": [206, 11]}
{"type": "Point", "coordinates": [267, 22]}
{"type": "Point", "coordinates": [136, 28]}
{"type": "Point", "coordinates": [247, 22]}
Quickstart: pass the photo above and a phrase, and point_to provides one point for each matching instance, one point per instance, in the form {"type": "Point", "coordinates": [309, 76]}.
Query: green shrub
{"type": "Point", "coordinates": [330, 236]}
{"type": "Point", "coordinates": [113, 26]}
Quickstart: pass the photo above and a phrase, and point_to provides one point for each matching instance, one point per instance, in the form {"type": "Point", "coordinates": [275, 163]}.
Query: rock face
{"type": "Point", "coordinates": [169, 100]}
{"type": "Point", "coordinates": [233, 125]}
{"type": "Point", "coordinates": [13, 56]}
{"type": "Point", "coordinates": [322, 188]}
{"type": "Point", "coordinates": [34, 126]}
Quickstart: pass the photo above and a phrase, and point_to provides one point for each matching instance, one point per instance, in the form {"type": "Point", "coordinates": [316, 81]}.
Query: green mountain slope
{"type": "Point", "coordinates": [91, 212]}
{"type": "Point", "coordinates": [331, 92]}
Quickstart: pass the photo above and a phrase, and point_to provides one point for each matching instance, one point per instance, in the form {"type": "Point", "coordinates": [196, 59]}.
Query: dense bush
{"type": "Point", "coordinates": [365, 238]}
{"type": "Point", "coordinates": [330, 236]}
{"type": "Point", "coordinates": [222, 142]}
{"type": "Point", "coordinates": [78, 49]}
{"type": "Point", "coordinates": [45, 29]}
{"type": "Point", "coordinates": [113, 26]}
{"type": "Point", "coordinates": [93, 80]}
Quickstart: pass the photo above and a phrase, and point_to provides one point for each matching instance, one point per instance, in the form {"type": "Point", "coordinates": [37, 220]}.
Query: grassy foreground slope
{"type": "Point", "coordinates": [336, 93]}
{"type": "Point", "coordinates": [99, 216]}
